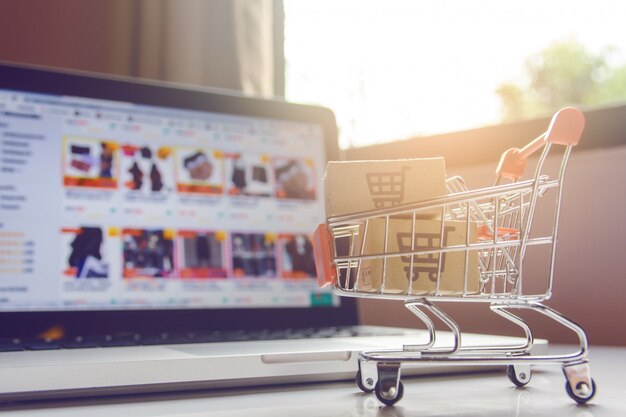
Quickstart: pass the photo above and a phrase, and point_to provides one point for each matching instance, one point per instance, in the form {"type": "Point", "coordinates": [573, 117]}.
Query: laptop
{"type": "Point", "coordinates": [157, 237]}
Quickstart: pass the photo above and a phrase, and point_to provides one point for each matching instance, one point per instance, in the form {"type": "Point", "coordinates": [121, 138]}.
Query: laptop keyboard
{"type": "Point", "coordinates": [137, 339]}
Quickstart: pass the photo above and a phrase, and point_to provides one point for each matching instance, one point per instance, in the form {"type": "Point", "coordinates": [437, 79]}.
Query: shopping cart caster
{"type": "Point", "coordinates": [369, 385]}
{"type": "Point", "coordinates": [389, 388]}
{"type": "Point", "coordinates": [391, 395]}
{"type": "Point", "coordinates": [582, 393]}
{"type": "Point", "coordinates": [580, 386]}
{"type": "Point", "coordinates": [519, 375]}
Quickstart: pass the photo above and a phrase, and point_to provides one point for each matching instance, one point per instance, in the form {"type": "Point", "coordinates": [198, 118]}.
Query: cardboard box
{"type": "Point", "coordinates": [425, 267]}
{"type": "Point", "coordinates": [355, 186]}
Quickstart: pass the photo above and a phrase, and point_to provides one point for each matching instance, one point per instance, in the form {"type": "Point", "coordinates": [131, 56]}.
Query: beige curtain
{"type": "Point", "coordinates": [219, 43]}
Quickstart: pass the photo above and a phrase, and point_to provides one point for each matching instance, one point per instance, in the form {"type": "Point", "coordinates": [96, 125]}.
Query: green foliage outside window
{"type": "Point", "coordinates": [565, 73]}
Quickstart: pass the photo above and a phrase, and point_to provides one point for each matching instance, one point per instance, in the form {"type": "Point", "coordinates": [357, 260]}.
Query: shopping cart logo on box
{"type": "Point", "coordinates": [386, 188]}
{"type": "Point", "coordinates": [426, 263]}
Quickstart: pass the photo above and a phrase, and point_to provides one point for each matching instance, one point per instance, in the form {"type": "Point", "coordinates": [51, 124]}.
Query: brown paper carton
{"type": "Point", "coordinates": [425, 267]}
{"type": "Point", "coordinates": [355, 186]}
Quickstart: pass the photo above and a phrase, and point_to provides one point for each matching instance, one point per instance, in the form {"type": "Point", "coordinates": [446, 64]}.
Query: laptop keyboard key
{"type": "Point", "coordinates": [80, 342]}
{"type": "Point", "coordinates": [120, 339]}
{"type": "Point", "coordinates": [11, 345]}
{"type": "Point", "coordinates": [42, 344]}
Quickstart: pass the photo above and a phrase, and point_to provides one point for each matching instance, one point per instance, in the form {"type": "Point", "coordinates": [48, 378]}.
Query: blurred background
{"type": "Point", "coordinates": [465, 80]}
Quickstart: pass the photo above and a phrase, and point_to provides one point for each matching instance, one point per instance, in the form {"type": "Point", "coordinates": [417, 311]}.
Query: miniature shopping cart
{"type": "Point", "coordinates": [501, 245]}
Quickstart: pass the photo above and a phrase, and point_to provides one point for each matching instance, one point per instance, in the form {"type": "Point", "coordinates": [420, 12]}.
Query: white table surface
{"type": "Point", "coordinates": [486, 394]}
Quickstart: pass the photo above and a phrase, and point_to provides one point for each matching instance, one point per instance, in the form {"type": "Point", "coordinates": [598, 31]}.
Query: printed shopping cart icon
{"type": "Point", "coordinates": [423, 264]}
{"type": "Point", "coordinates": [386, 188]}
{"type": "Point", "coordinates": [489, 262]}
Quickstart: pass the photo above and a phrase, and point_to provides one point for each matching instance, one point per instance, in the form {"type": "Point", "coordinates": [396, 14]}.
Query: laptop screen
{"type": "Point", "coordinates": [116, 205]}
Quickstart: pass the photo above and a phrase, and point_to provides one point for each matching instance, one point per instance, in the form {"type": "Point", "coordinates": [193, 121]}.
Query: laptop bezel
{"type": "Point", "coordinates": [27, 78]}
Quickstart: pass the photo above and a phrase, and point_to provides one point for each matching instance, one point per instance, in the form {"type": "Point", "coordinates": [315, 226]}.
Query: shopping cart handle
{"type": "Point", "coordinates": [566, 128]}
{"type": "Point", "coordinates": [322, 249]}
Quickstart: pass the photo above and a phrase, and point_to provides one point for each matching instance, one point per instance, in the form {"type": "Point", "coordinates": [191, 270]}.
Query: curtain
{"type": "Point", "coordinates": [218, 43]}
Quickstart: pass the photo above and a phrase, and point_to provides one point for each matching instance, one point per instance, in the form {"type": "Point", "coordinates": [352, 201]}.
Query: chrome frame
{"type": "Point", "coordinates": [500, 262]}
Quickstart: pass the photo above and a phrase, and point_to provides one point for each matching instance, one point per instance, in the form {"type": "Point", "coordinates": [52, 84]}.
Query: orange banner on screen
{"type": "Point", "coordinates": [200, 189]}
{"type": "Point", "coordinates": [90, 182]}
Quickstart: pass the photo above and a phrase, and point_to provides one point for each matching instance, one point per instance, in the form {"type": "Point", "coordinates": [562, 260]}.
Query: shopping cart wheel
{"type": "Point", "coordinates": [362, 387]}
{"type": "Point", "coordinates": [580, 386]}
{"type": "Point", "coordinates": [583, 392]}
{"type": "Point", "coordinates": [519, 374]}
{"type": "Point", "coordinates": [391, 396]}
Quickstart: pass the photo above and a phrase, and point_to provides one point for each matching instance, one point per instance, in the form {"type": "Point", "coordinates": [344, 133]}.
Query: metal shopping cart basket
{"type": "Point", "coordinates": [497, 246]}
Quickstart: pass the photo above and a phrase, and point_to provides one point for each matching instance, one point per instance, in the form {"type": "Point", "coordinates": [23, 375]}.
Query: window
{"type": "Point", "coordinates": [402, 68]}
